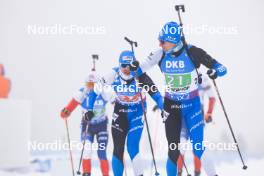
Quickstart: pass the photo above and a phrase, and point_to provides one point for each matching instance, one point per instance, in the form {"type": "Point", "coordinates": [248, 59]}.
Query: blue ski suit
{"type": "Point", "coordinates": [181, 101]}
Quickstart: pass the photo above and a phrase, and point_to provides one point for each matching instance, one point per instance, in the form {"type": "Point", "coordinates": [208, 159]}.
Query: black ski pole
{"type": "Point", "coordinates": [229, 124]}
{"type": "Point", "coordinates": [132, 43]}
{"type": "Point", "coordinates": [83, 147]}
{"type": "Point", "coordinates": [180, 8]}
{"type": "Point", "coordinates": [69, 143]}
{"type": "Point", "coordinates": [149, 137]}
{"type": "Point", "coordinates": [184, 164]}
{"type": "Point", "coordinates": [155, 140]}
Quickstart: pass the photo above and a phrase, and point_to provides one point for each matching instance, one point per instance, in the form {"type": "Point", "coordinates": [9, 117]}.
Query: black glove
{"type": "Point", "coordinates": [208, 118]}
{"type": "Point", "coordinates": [212, 73]}
{"type": "Point", "coordinates": [88, 115]}
{"type": "Point", "coordinates": [155, 108]}
{"type": "Point", "coordinates": [164, 115]}
{"type": "Point", "coordinates": [134, 65]}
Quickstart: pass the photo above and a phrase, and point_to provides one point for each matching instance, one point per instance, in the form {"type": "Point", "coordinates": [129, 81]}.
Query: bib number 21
{"type": "Point", "coordinates": [178, 80]}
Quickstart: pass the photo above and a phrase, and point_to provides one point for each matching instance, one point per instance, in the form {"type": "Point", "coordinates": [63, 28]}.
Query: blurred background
{"type": "Point", "coordinates": [45, 65]}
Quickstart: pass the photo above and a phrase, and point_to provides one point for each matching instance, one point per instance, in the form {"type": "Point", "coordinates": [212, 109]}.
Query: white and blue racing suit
{"type": "Point", "coordinates": [127, 122]}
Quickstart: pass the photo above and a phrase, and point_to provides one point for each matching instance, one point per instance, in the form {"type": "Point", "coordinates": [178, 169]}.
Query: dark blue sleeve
{"type": "Point", "coordinates": [199, 56]}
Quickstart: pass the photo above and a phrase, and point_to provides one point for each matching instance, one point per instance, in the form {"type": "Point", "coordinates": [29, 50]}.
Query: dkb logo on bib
{"type": "Point", "coordinates": [174, 64]}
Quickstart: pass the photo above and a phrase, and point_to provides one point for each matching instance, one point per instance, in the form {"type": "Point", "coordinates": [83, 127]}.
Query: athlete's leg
{"type": "Point", "coordinates": [88, 136]}
{"type": "Point", "coordinates": [180, 164]}
{"type": "Point", "coordinates": [197, 165]}
{"type": "Point", "coordinates": [195, 123]}
{"type": "Point", "coordinates": [102, 140]}
{"type": "Point", "coordinates": [184, 139]}
{"type": "Point", "coordinates": [119, 133]}
{"type": "Point", "coordinates": [173, 130]}
{"type": "Point", "coordinates": [133, 139]}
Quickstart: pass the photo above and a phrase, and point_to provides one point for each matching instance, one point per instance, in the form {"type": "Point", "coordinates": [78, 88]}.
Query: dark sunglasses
{"type": "Point", "coordinates": [124, 65]}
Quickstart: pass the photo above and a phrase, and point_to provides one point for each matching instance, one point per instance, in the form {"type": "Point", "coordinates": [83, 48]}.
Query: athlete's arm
{"type": "Point", "coordinates": [152, 60]}
{"type": "Point", "coordinates": [201, 57]}
{"type": "Point", "coordinates": [75, 101]}
{"type": "Point", "coordinates": [152, 89]}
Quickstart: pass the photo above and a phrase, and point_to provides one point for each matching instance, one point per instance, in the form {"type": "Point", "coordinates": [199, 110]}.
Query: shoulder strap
{"type": "Point", "coordinates": [162, 57]}
{"type": "Point", "coordinates": [199, 76]}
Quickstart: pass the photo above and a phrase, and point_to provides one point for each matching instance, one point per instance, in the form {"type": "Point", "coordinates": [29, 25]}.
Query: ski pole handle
{"type": "Point", "coordinates": [94, 57]}
{"type": "Point", "coordinates": [132, 43]}
{"type": "Point", "coordinates": [180, 7]}
{"type": "Point", "coordinates": [128, 40]}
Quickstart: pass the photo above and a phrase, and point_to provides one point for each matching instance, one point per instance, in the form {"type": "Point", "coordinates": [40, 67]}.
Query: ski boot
{"type": "Point", "coordinates": [197, 173]}
{"type": "Point", "coordinates": [86, 174]}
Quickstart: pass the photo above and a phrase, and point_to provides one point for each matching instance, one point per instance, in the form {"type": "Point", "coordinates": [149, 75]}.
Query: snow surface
{"type": "Point", "coordinates": [62, 167]}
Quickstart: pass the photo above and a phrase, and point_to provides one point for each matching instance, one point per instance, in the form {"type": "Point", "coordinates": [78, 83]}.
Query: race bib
{"type": "Point", "coordinates": [178, 80]}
